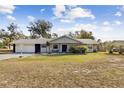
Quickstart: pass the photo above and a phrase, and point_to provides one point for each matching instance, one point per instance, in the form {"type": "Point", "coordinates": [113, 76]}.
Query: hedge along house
{"type": "Point", "coordinates": [43, 45]}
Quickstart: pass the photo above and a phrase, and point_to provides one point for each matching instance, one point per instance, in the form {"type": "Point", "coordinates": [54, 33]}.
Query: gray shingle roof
{"type": "Point", "coordinates": [44, 40]}
{"type": "Point", "coordinates": [87, 41]}
{"type": "Point", "coordinates": [31, 41]}
{"type": "Point", "coordinates": [65, 37]}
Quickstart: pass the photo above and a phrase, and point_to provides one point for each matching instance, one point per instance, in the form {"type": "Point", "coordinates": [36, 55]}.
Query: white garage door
{"type": "Point", "coordinates": [25, 48]}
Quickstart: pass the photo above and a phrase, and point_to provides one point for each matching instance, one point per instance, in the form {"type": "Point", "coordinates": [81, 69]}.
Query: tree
{"type": "Point", "coordinates": [99, 41]}
{"type": "Point", "coordinates": [82, 34]}
{"type": "Point", "coordinates": [54, 35]}
{"type": "Point", "coordinates": [121, 49]}
{"type": "Point", "coordinates": [71, 34]}
{"type": "Point", "coordinates": [13, 34]}
{"type": "Point", "coordinates": [111, 49]}
{"type": "Point", "coordinates": [12, 28]}
{"type": "Point", "coordinates": [3, 33]}
{"type": "Point", "coordinates": [6, 41]}
{"type": "Point", "coordinates": [40, 28]}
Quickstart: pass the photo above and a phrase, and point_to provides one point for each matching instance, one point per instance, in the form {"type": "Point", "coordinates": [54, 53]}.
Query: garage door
{"type": "Point", "coordinates": [25, 48]}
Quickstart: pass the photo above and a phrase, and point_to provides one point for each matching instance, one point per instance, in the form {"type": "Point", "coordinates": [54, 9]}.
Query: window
{"type": "Point", "coordinates": [55, 46]}
{"type": "Point", "coordinates": [43, 46]}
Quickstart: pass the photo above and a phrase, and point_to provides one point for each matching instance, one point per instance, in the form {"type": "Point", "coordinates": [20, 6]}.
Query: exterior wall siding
{"type": "Point", "coordinates": [60, 47]}
{"type": "Point", "coordinates": [30, 48]}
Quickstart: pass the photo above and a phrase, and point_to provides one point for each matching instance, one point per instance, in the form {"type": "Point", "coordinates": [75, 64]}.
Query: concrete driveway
{"type": "Point", "coordinates": [7, 56]}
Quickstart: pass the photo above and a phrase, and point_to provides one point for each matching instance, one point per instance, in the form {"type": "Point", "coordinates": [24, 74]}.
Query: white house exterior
{"type": "Point", "coordinates": [60, 44]}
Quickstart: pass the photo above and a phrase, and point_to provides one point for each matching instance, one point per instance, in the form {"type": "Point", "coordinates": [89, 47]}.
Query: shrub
{"type": "Point", "coordinates": [78, 49]}
{"type": "Point", "coordinates": [74, 50]}
{"type": "Point", "coordinates": [121, 50]}
{"type": "Point", "coordinates": [94, 50]}
{"type": "Point", "coordinates": [111, 49]}
{"type": "Point", "coordinates": [1, 45]}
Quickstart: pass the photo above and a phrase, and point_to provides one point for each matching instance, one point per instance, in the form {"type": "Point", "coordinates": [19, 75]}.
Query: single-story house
{"type": "Point", "coordinates": [60, 44]}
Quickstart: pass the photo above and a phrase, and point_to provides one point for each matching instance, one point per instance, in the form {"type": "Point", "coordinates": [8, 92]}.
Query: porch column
{"type": "Point", "coordinates": [21, 48]}
{"type": "Point", "coordinates": [59, 47]}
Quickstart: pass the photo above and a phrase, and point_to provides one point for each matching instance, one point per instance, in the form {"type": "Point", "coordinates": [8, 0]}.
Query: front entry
{"type": "Point", "coordinates": [64, 48]}
{"type": "Point", "coordinates": [37, 48]}
{"type": "Point", "coordinates": [14, 48]}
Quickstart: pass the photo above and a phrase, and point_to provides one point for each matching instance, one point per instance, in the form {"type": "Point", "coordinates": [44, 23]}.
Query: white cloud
{"type": "Point", "coordinates": [31, 18]}
{"type": "Point", "coordinates": [65, 21]}
{"type": "Point", "coordinates": [10, 18]}
{"type": "Point", "coordinates": [106, 23]}
{"type": "Point", "coordinates": [42, 10]}
{"type": "Point", "coordinates": [79, 13]}
{"type": "Point", "coordinates": [118, 14]}
{"type": "Point", "coordinates": [105, 28]}
{"type": "Point", "coordinates": [7, 9]}
{"type": "Point", "coordinates": [118, 23]}
{"type": "Point", "coordinates": [58, 10]}
{"type": "Point", "coordinates": [72, 12]}
{"type": "Point", "coordinates": [76, 27]}
{"type": "Point", "coordinates": [87, 27]}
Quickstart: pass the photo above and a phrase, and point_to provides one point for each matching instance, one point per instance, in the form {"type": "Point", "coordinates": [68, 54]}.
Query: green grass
{"type": "Point", "coordinates": [60, 58]}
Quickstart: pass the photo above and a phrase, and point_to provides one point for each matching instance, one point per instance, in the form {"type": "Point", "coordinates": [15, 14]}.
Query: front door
{"type": "Point", "coordinates": [14, 48]}
{"type": "Point", "coordinates": [37, 48]}
{"type": "Point", "coordinates": [64, 48]}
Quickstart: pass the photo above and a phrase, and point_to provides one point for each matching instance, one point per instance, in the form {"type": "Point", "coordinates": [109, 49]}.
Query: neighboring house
{"type": "Point", "coordinates": [60, 44]}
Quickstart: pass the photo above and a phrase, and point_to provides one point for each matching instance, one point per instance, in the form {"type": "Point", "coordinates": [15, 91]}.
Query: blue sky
{"type": "Point", "coordinates": [106, 22]}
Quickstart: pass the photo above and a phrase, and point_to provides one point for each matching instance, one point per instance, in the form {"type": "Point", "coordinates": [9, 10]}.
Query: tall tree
{"type": "Point", "coordinates": [54, 35]}
{"type": "Point", "coordinates": [71, 34]}
{"type": "Point", "coordinates": [82, 34]}
{"type": "Point", "coordinates": [12, 28]}
{"type": "Point", "coordinates": [99, 41]}
{"type": "Point", "coordinates": [14, 32]}
{"type": "Point", "coordinates": [40, 28]}
{"type": "Point", "coordinates": [3, 33]}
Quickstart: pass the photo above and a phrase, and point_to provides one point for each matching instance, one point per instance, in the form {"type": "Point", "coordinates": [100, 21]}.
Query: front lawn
{"type": "Point", "coordinates": [91, 70]}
